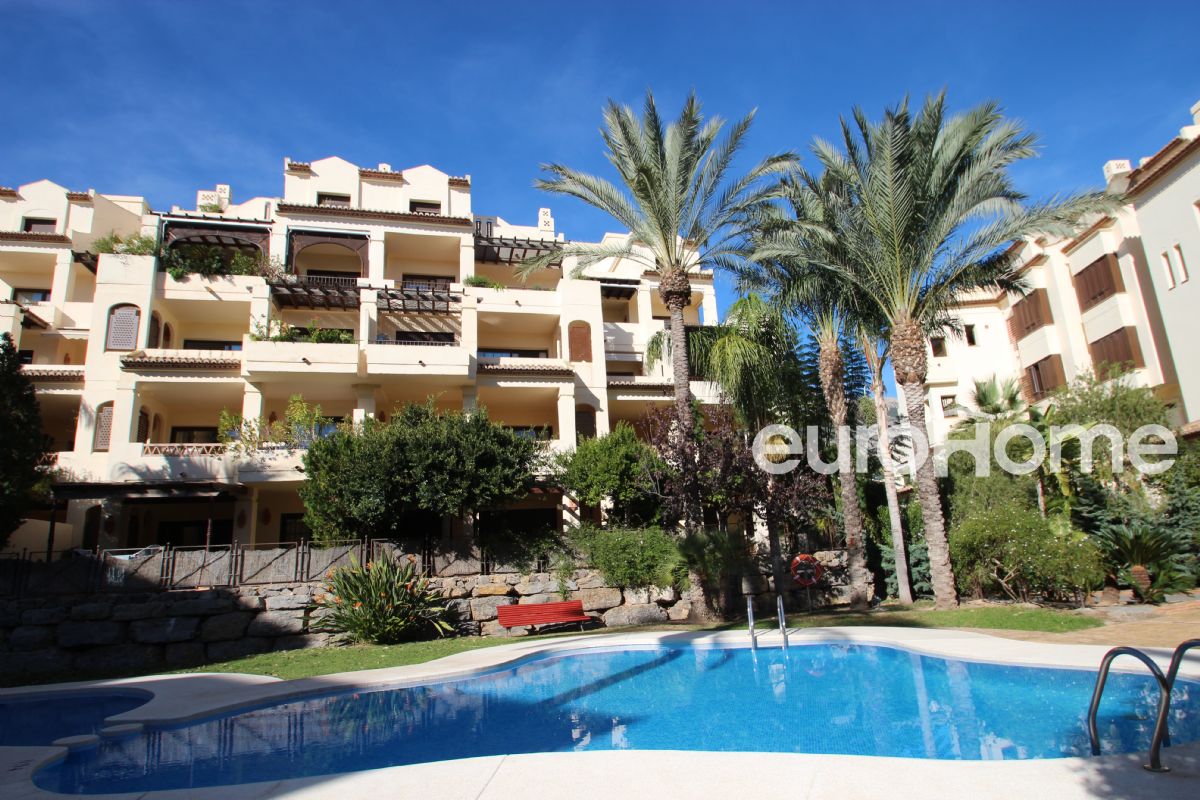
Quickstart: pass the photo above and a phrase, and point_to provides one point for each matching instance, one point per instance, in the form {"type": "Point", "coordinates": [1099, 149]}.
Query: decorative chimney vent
{"type": "Point", "coordinates": [1112, 169]}
{"type": "Point", "coordinates": [545, 221]}
{"type": "Point", "coordinates": [385, 167]}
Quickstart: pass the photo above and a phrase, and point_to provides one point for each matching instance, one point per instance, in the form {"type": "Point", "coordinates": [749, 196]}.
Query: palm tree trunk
{"type": "Point", "coordinates": [910, 362]}
{"type": "Point", "coordinates": [899, 548]}
{"type": "Point", "coordinates": [779, 570]}
{"type": "Point", "coordinates": [831, 371]}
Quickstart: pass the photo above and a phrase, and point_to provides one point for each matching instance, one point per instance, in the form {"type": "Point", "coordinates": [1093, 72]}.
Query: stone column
{"type": "Point", "coordinates": [252, 402]}
{"type": "Point", "coordinates": [365, 405]}
{"type": "Point", "coordinates": [368, 315]}
{"type": "Point", "coordinates": [708, 305]}
{"type": "Point", "coordinates": [566, 416]}
{"type": "Point", "coordinates": [245, 518]}
{"type": "Point", "coordinates": [376, 257]}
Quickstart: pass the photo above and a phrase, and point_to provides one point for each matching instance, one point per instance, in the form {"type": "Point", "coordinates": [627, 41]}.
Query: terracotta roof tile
{"type": "Point", "coordinates": [39, 238]}
{"type": "Point", "coordinates": [381, 175]}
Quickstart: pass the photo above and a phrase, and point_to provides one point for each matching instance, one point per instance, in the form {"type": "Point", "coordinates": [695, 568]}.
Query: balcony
{"type": "Point", "coordinates": [518, 301]}
{"type": "Point", "coordinates": [624, 337]}
{"type": "Point", "coordinates": [159, 359]}
{"type": "Point", "coordinates": [299, 357]}
{"type": "Point", "coordinates": [387, 357]}
{"type": "Point", "coordinates": [315, 292]}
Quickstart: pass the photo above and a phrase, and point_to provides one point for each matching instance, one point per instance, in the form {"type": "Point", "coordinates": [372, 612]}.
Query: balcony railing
{"type": "Point", "coordinates": [175, 450]}
{"type": "Point", "coordinates": [338, 281]}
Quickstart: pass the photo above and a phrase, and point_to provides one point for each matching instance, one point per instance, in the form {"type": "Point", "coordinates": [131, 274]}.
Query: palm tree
{"type": "Point", "coordinates": [753, 357]}
{"type": "Point", "coordinates": [786, 264]}
{"type": "Point", "coordinates": [874, 347]}
{"type": "Point", "coordinates": [683, 210]}
{"type": "Point", "coordinates": [997, 400]}
{"type": "Point", "coordinates": [929, 211]}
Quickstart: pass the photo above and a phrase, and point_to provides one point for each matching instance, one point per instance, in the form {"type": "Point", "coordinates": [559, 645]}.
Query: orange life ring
{"type": "Point", "coordinates": [806, 570]}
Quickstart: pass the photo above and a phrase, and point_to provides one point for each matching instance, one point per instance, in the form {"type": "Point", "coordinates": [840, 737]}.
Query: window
{"type": "Point", "coordinates": [1183, 270]}
{"type": "Point", "coordinates": [938, 344]}
{"type": "Point", "coordinates": [579, 341]}
{"type": "Point", "coordinates": [193, 434]}
{"type": "Point", "coordinates": [143, 431]}
{"type": "Point", "coordinates": [969, 333]}
{"type": "Point", "coordinates": [423, 337]}
{"type": "Point", "coordinates": [1118, 349]}
{"type": "Point", "coordinates": [1045, 376]}
{"type": "Point", "coordinates": [155, 331]}
{"type": "Point", "coordinates": [122, 327]}
{"type": "Point", "coordinates": [328, 199]}
{"type": "Point", "coordinates": [39, 225]}
{"type": "Point", "coordinates": [212, 344]}
{"type": "Point", "coordinates": [24, 356]}
{"type": "Point", "coordinates": [27, 296]}
{"type": "Point", "coordinates": [425, 283]}
{"type": "Point", "coordinates": [949, 405]}
{"type": "Point", "coordinates": [1168, 272]}
{"type": "Point", "coordinates": [1098, 281]}
{"type": "Point", "coordinates": [424, 207]}
{"type": "Point", "coordinates": [292, 528]}
{"type": "Point", "coordinates": [103, 432]}
{"type": "Point", "coordinates": [1030, 313]}
{"type": "Point", "coordinates": [166, 334]}
{"type": "Point", "coordinates": [536, 433]}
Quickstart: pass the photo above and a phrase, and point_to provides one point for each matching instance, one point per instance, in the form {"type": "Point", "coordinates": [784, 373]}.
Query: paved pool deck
{"type": "Point", "coordinates": [636, 774]}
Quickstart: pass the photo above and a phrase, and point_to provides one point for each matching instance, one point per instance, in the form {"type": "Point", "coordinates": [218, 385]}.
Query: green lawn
{"type": "Point", "coordinates": [306, 663]}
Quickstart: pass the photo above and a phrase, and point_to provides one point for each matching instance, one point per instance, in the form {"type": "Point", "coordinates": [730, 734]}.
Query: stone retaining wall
{"type": "Point", "coordinates": [117, 632]}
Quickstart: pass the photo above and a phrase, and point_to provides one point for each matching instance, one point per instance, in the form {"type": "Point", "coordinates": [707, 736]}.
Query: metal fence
{"type": "Point", "coordinates": [161, 568]}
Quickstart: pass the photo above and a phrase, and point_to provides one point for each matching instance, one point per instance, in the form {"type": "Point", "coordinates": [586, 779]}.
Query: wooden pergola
{"type": "Point", "coordinates": [502, 250]}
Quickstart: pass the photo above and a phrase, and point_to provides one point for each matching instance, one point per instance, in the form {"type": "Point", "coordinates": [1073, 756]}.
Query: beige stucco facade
{"type": "Point", "coordinates": [133, 367]}
{"type": "Point", "coordinates": [1117, 292]}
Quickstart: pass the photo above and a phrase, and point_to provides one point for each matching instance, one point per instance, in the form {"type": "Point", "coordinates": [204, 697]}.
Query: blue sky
{"type": "Point", "coordinates": [164, 98]}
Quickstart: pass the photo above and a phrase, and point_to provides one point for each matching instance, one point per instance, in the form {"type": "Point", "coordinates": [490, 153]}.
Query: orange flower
{"type": "Point", "coordinates": [358, 604]}
{"type": "Point", "coordinates": [329, 574]}
{"type": "Point", "coordinates": [337, 599]}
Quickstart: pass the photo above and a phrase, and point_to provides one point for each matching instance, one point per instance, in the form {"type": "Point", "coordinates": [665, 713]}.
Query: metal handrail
{"type": "Point", "coordinates": [782, 619]}
{"type": "Point", "coordinates": [1164, 704]}
{"type": "Point", "coordinates": [750, 620]}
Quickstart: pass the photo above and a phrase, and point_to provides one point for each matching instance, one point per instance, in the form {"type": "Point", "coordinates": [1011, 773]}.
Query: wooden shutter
{"type": "Point", "coordinates": [122, 328]}
{"type": "Point", "coordinates": [143, 433]}
{"type": "Point", "coordinates": [103, 432]}
{"type": "Point", "coordinates": [1029, 314]}
{"type": "Point", "coordinates": [579, 341]}
{"type": "Point", "coordinates": [1119, 348]}
{"type": "Point", "coordinates": [1098, 281]}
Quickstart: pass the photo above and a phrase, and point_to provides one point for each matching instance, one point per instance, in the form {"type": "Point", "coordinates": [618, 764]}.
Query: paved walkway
{"type": "Point", "coordinates": [1141, 626]}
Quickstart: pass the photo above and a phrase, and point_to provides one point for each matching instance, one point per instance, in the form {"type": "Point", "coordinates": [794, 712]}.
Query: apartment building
{"type": "Point", "coordinates": [133, 367]}
{"type": "Point", "coordinates": [1117, 293]}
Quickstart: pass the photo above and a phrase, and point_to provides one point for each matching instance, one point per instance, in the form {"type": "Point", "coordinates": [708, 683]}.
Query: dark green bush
{"type": "Point", "coordinates": [1014, 551]}
{"type": "Point", "coordinates": [383, 601]}
{"type": "Point", "coordinates": [631, 558]}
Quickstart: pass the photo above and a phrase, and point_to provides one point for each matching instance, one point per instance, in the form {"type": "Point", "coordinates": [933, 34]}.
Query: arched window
{"type": "Point", "coordinates": [143, 433]}
{"type": "Point", "coordinates": [103, 432]}
{"type": "Point", "coordinates": [166, 336]}
{"type": "Point", "coordinates": [155, 330]}
{"type": "Point", "coordinates": [122, 327]}
{"type": "Point", "coordinates": [579, 341]}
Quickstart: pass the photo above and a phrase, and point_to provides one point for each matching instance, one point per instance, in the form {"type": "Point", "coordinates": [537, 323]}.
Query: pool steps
{"type": "Point", "coordinates": [1162, 736]}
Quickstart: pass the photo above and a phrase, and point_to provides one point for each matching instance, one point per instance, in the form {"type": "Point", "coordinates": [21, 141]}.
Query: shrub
{"type": "Point", "coordinates": [632, 558]}
{"type": "Point", "coordinates": [384, 601]}
{"type": "Point", "coordinates": [133, 245]}
{"type": "Point", "coordinates": [1152, 560]}
{"type": "Point", "coordinates": [1015, 551]}
{"type": "Point", "coordinates": [483, 282]}
{"type": "Point", "coordinates": [616, 467]}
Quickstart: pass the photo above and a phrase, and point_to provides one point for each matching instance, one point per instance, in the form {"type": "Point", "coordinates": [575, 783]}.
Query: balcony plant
{"type": "Point", "coordinates": [276, 331]}
{"type": "Point", "coordinates": [483, 282]}
{"type": "Point", "coordinates": [130, 245]}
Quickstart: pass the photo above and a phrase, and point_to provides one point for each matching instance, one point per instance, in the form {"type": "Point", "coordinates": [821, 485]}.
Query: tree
{"type": "Point", "coordinates": [616, 468]}
{"type": "Point", "coordinates": [997, 400]}
{"type": "Point", "coordinates": [24, 445]}
{"type": "Point", "coordinates": [683, 210]}
{"type": "Point", "coordinates": [363, 479]}
{"type": "Point", "coordinates": [874, 349]}
{"type": "Point", "coordinates": [929, 211]}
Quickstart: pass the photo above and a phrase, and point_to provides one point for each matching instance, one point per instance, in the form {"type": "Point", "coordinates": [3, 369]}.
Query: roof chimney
{"type": "Point", "coordinates": [1116, 174]}
{"type": "Point", "coordinates": [385, 167]}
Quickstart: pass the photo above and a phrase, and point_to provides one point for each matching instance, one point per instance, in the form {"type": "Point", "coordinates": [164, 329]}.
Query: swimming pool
{"type": "Point", "coordinates": [34, 719]}
{"type": "Point", "coordinates": [818, 698]}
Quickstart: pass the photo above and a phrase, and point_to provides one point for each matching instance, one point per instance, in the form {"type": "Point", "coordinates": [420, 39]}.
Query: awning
{"type": "Point", "coordinates": [500, 250]}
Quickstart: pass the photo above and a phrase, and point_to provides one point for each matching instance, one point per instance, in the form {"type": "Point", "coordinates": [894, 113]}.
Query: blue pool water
{"type": "Point", "coordinates": [826, 698]}
{"type": "Point", "coordinates": [42, 718]}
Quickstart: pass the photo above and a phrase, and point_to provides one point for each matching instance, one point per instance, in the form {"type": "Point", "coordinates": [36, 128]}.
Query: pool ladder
{"type": "Point", "coordinates": [1162, 737]}
{"type": "Point", "coordinates": [778, 611]}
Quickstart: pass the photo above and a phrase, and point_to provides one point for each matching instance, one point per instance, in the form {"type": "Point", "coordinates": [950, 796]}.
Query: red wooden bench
{"type": "Point", "coordinates": [542, 614]}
